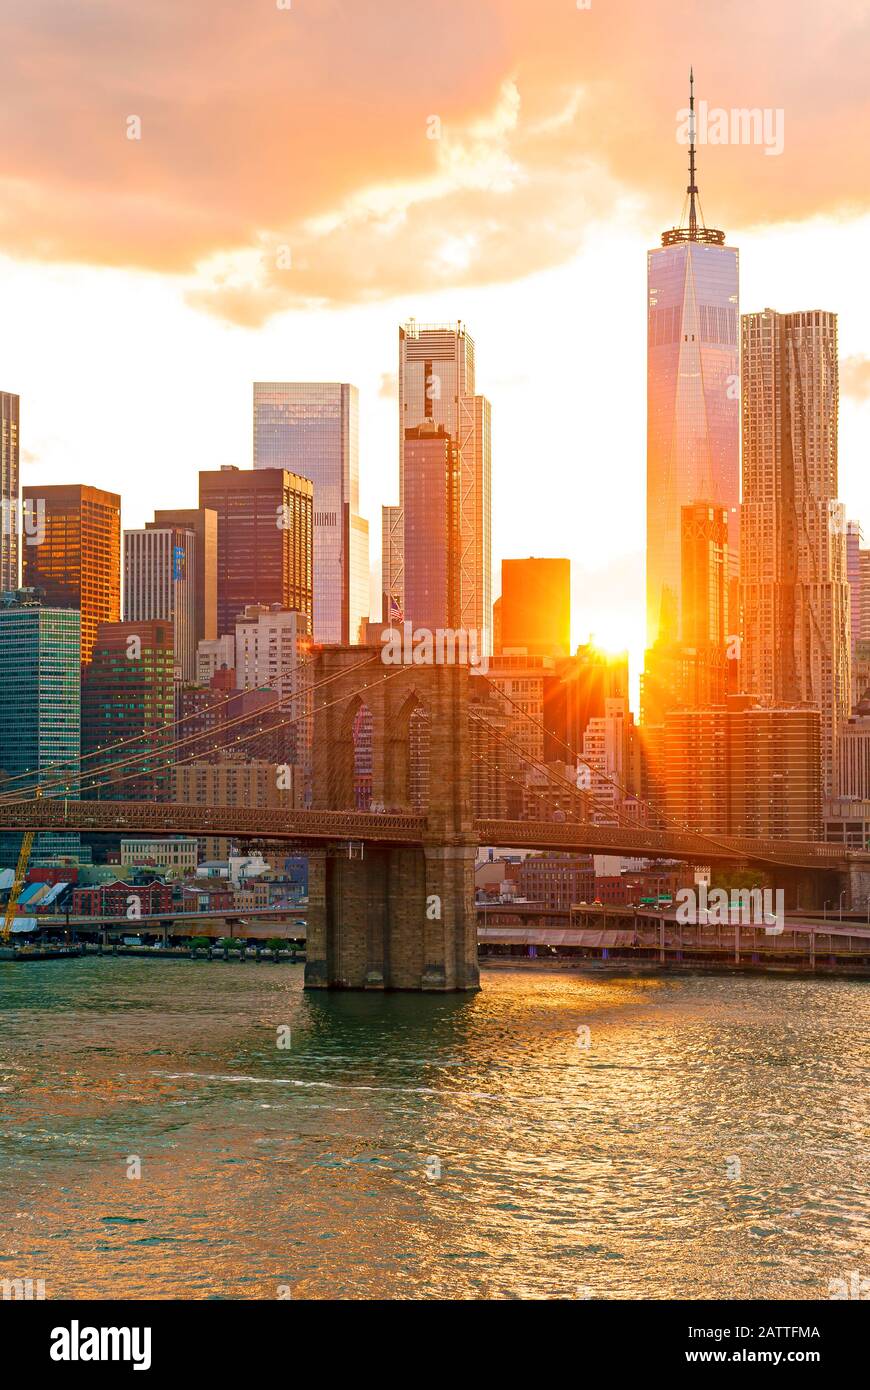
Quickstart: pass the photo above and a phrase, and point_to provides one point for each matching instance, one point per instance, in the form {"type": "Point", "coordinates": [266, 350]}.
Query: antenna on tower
{"type": "Point", "coordinates": [693, 227]}
{"type": "Point", "coordinates": [692, 189]}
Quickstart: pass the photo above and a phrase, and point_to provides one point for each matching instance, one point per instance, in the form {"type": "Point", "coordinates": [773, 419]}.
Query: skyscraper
{"type": "Point", "coordinates": [742, 768]}
{"type": "Point", "coordinates": [264, 539]}
{"type": "Point", "coordinates": [794, 586]}
{"type": "Point", "coordinates": [692, 396]}
{"type": "Point", "coordinates": [271, 645]}
{"type": "Point", "coordinates": [393, 564]}
{"type": "Point", "coordinates": [536, 606]}
{"type": "Point", "coordinates": [203, 523]}
{"type": "Point", "coordinates": [128, 693]}
{"type": "Point", "coordinates": [704, 565]}
{"type": "Point", "coordinates": [695, 671]}
{"type": "Point", "coordinates": [40, 658]}
{"type": "Point", "coordinates": [436, 387]}
{"type": "Point", "coordinates": [431, 530]}
{"type": "Point", "coordinates": [9, 520]}
{"type": "Point", "coordinates": [160, 582]}
{"type": "Point", "coordinates": [312, 428]}
{"type": "Point", "coordinates": [77, 563]}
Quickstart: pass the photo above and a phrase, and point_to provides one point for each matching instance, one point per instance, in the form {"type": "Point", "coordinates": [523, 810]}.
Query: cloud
{"type": "Point", "coordinates": [286, 156]}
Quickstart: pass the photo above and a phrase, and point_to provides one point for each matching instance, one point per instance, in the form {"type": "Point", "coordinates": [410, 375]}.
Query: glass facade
{"type": "Point", "coordinates": [693, 407]}
{"type": "Point", "coordinates": [203, 524]}
{"type": "Point", "coordinates": [160, 581]}
{"type": "Point", "coordinates": [40, 723]}
{"type": "Point", "coordinates": [312, 428]}
{"type": "Point", "coordinates": [264, 539]}
{"type": "Point", "coordinates": [9, 516]}
{"type": "Point", "coordinates": [431, 514]}
{"type": "Point", "coordinates": [77, 562]}
{"type": "Point", "coordinates": [436, 388]}
{"type": "Point", "coordinates": [536, 606]}
{"type": "Point", "coordinates": [128, 690]}
{"type": "Point", "coordinates": [793, 570]}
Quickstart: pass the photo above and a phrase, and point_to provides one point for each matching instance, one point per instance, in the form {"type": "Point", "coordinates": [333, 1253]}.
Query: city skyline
{"type": "Point", "coordinates": [435, 684]}
{"type": "Point", "coordinates": [543, 384]}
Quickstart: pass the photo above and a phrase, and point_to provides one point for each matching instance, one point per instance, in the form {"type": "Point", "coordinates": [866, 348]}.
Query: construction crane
{"type": "Point", "coordinates": [18, 882]}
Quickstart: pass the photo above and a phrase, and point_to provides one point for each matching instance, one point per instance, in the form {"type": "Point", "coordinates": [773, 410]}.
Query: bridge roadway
{"type": "Point", "coordinates": [407, 829]}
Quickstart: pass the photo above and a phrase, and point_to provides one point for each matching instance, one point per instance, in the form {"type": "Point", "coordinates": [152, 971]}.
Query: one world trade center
{"type": "Point", "coordinates": [693, 405]}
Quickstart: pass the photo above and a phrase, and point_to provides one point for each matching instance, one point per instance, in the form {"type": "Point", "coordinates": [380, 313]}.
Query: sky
{"type": "Point", "coordinates": [305, 175]}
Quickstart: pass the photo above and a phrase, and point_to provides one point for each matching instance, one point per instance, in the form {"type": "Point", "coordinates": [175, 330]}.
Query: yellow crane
{"type": "Point", "coordinates": [18, 881]}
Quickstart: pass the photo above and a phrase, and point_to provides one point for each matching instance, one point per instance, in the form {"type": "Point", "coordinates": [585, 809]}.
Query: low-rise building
{"type": "Point", "coordinates": [177, 854]}
{"type": "Point", "coordinates": [557, 880]}
{"type": "Point", "coordinates": [122, 899]}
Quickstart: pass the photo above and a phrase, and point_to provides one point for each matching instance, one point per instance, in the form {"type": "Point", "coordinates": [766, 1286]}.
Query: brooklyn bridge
{"type": "Point", "coordinates": [391, 890]}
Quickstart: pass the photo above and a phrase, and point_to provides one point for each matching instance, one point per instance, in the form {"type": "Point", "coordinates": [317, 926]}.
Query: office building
{"type": "Point", "coordinates": [10, 408]}
{"type": "Point", "coordinates": [393, 564]}
{"type": "Point", "coordinates": [606, 770]}
{"type": "Point", "coordinates": [264, 539]}
{"type": "Point", "coordinates": [174, 855]}
{"type": "Point", "coordinates": [214, 654]}
{"type": "Point", "coordinates": [40, 716]}
{"type": "Point", "coordinates": [272, 645]}
{"type": "Point", "coordinates": [557, 880]}
{"type": "Point", "coordinates": [692, 398]}
{"type": "Point", "coordinates": [253, 724]}
{"type": "Point", "coordinates": [535, 608]}
{"type": "Point", "coordinates": [203, 523]}
{"type": "Point", "coordinates": [794, 584]}
{"type": "Point", "coordinates": [311, 428]}
{"type": "Point", "coordinates": [160, 583]}
{"type": "Point", "coordinates": [128, 698]}
{"type": "Point", "coordinates": [697, 669]}
{"type": "Point", "coordinates": [437, 389]}
{"type": "Point", "coordinates": [78, 561]}
{"type": "Point", "coordinates": [745, 769]}
{"type": "Point", "coordinates": [432, 542]}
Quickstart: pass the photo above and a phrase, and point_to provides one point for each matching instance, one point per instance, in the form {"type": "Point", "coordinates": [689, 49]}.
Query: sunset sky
{"type": "Point", "coordinates": [145, 284]}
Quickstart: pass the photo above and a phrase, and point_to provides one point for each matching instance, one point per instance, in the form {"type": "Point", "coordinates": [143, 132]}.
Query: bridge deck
{"type": "Point", "coordinates": [406, 828]}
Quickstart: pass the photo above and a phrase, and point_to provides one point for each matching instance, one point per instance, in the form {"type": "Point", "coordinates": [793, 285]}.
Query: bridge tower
{"type": "Point", "coordinates": [384, 916]}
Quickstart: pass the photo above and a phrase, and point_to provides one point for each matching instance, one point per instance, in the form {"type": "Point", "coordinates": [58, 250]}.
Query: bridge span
{"type": "Point", "coordinates": [391, 894]}
{"type": "Point", "coordinates": [317, 827]}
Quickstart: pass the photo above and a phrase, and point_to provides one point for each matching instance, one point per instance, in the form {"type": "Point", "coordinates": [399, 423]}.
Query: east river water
{"type": "Point", "coordinates": [710, 1142]}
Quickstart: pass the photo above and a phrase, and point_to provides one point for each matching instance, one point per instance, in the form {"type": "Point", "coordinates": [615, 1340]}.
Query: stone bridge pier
{"type": "Point", "coordinates": [384, 916]}
{"type": "Point", "coordinates": [856, 881]}
{"type": "Point", "coordinates": [395, 919]}
{"type": "Point", "coordinates": [809, 889]}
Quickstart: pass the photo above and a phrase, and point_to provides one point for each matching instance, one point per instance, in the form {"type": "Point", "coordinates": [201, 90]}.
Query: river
{"type": "Point", "coordinates": [706, 1138]}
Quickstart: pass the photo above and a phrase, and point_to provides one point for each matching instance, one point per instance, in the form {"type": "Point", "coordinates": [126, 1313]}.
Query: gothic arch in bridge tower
{"type": "Point", "coordinates": [346, 759]}
{"type": "Point", "coordinates": [406, 760]}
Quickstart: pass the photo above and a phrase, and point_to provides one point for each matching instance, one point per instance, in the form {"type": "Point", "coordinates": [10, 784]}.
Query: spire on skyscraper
{"type": "Point", "coordinates": [692, 189]}
{"type": "Point", "coordinates": [692, 228]}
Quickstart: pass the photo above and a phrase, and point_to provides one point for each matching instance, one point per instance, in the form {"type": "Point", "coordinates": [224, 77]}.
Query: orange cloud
{"type": "Point", "coordinates": [286, 156]}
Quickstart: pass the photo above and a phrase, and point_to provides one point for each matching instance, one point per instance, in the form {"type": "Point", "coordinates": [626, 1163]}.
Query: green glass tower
{"type": "Point", "coordinates": [40, 720]}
